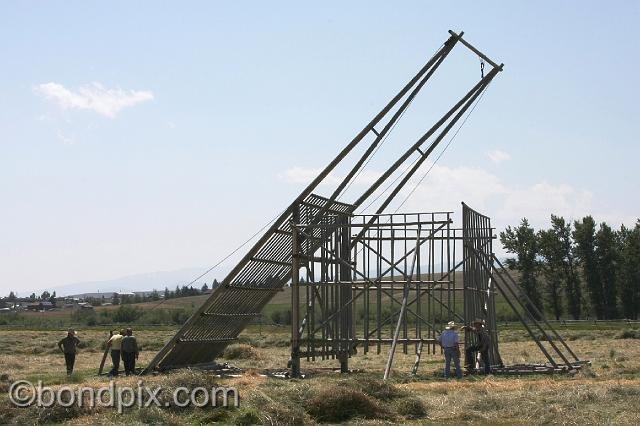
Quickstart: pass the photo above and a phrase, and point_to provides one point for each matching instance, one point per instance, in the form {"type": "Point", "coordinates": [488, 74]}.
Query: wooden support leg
{"type": "Point", "coordinates": [414, 370]}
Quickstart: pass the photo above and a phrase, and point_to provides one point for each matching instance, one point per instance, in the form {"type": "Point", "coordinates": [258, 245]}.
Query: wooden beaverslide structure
{"type": "Point", "coordinates": [360, 267]}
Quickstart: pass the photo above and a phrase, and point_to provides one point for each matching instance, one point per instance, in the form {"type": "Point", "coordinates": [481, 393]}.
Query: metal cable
{"type": "Point", "coordinates": [227, 256]}
{"type": "Point", "coordinates": [384, 139]}
{"type": "Point", "coordinates": [375, 151]}
{"type": "Point", "coordinates": [444, 149]}
{"type": "Point", "coordinates": [389, 186]}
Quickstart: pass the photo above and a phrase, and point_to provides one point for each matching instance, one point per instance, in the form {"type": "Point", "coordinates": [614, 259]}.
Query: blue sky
{"type": "Point", "coordinates": [147, 136]}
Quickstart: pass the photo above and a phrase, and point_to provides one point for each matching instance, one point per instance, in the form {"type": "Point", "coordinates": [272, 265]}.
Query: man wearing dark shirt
{"type": "Point", "coordinates": [129, 352]}
{"type": "Point", "coordinates": [483, 344]}
{"type": "Point", "coordinates": [69, 346]}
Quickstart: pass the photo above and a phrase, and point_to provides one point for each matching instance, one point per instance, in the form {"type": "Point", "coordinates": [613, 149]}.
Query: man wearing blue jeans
{"type": "Point", "coordinates": [449, 341]}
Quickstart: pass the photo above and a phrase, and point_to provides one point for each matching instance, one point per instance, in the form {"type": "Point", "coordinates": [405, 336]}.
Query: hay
{"type": "Point", "coordinates": [241, 351]}
{"type": "Point", "coordinates": [337, 404]}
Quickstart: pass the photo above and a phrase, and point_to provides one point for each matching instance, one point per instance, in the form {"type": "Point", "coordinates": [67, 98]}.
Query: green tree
{"type": "Point", "coordinates": [522, 242]}
{"type": "Point", "coordinates": [607, 258]}
{"type": "Point", "coordinates": [629, 277]}
{"type": "Point", "coordinates": [556, 247]}
{"type": "Point", "coordinates": [585, 250]}
{"type": "Point", "coordinates": [12, 297]}
{"type": "Point", "coordinates": [573, 286]}
{"type": "Point", "coordinates": [126, 314]}
{"type": "Point", "coordinates": [551, 250]}
{"type": "Point", "coordinates": [204, 288]}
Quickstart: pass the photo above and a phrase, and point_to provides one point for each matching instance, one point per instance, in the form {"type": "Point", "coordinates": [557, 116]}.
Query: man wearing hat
{"type": "Point", "coordinates": [129, 352]}
{"type": "Point", "coordinates": [115, 344]}
{"type": "Point", "coordinates": [449, 342]}
{"type": "Point", "coordinates": [69, 347]}
{"type": "Point", "coordinates": [483, 344]}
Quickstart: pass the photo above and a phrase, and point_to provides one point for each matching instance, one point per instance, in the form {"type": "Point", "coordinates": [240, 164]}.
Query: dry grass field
{"type": "Point", "coordinates": [607, 392]}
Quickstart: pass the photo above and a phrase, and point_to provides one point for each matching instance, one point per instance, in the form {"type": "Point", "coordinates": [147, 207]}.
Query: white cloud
{"type": "Point", "coordinates": [298, 175]}
{"type": "Point", "coordinates": [67, 140]}
{"type": "Point", "coordinates": [302, 175]}
{"type": "Point", "coordinates": [506, 203]}
{"type": "Point", "coordinates": [93, 96]}
{"type": "Point", "coordinates": [538, 201]}
{"type": "Point", "coordinates": [305, 176]}
{"type": "Point", "coordinates": [445, 187]}
{"type": "Point", "coordinates": [498, 156]}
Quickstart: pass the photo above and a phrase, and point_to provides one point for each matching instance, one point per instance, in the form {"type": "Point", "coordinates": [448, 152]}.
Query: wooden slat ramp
{"type": "Point", "coordinates": [243, 293]}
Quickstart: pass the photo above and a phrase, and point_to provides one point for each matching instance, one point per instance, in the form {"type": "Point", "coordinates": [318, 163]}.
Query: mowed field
{"type": "Point", "coordinates": [607, 392]}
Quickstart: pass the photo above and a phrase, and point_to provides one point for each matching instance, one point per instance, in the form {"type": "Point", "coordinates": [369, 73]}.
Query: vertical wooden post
{"type": "Point", "coordinates": [345, 293]}
{"type": "Point", "coordinates": [295, 303]}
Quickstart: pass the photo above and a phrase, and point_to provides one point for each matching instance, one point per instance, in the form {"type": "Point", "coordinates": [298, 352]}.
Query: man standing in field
{"type": "Point", "coordinates": [115, 343]}
{"type": "Point", "coordinates": [449, 343]}
{"type": "Point", "coordinates": [129, 352]}
{"type": "Point", "coordinates": [69, 347]}
{"type": "Point", "coordinates": [483, 344]}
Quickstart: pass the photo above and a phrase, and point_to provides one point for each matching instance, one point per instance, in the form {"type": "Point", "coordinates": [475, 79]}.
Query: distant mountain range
{"type": "Point", "coordinates": [146, 282]}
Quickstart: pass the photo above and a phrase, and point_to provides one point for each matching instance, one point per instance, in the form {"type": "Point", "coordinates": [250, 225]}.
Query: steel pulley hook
{"type": "Point", "coordinates": [481, 68]}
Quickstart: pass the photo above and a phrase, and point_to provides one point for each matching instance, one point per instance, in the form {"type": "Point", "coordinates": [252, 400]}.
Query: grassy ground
{"type": "Point", "coordinates": [608, 392]}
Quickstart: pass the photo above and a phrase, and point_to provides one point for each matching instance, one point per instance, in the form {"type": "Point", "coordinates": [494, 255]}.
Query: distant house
{"type": "Point", "coordinates": [41, 306]}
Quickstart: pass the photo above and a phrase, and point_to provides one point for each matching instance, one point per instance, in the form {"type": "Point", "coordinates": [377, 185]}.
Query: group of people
{"type": "Point", "coordinates": [122, 345]}
{"type": "Point", "coordinates": [450, 343]}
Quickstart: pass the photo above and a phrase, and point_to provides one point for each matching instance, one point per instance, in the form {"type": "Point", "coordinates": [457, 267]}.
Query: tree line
{"type": "Point", "coordinates": [185, 291]}
{"type": "Point", "coordinates": [45, 296]}
{"type": "Point", "coordinates": [116, 298]}
{"type": "Point", "coordinates": [579, 269]}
